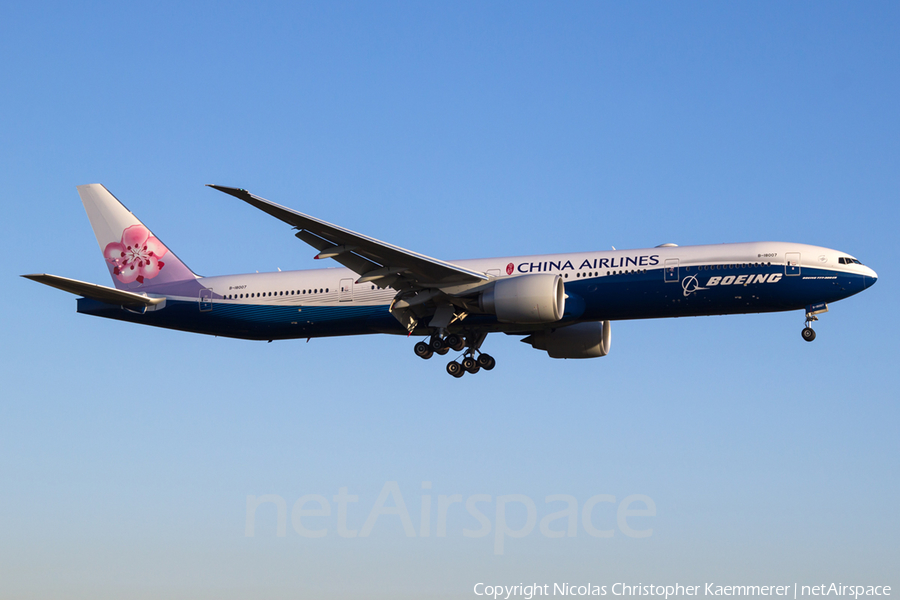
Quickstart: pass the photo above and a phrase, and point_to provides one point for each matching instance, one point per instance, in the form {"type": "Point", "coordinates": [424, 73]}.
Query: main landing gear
{"type": "Point", "coordinates": [470, 363]}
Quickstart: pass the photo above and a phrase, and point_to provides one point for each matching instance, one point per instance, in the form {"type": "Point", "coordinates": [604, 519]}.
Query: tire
{"type": "Point", "coordinates": [437, 344]}
{"type": "Point", "coordinates": [422, 350]}
{"type": "Point", "coordinates": [486, 362]}
{"type": "Point", "coordinates": [808, 334]}
{"type": "Point", "coordinates": [454, 342]}
{"type": "Point", "coordinates": [469, 364]}
{"type": "Point", "coordinates": [455, 369]}
{"type": "Point", "coordinates": [443, 350]}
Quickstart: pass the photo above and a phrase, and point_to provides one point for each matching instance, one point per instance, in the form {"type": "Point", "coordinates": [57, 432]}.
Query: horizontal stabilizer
{"type": "Point", "coordinates": [94, 291]}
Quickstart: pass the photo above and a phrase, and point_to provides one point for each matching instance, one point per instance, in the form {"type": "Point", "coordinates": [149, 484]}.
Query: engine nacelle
{"type": "Point", "coordinates": [584, 340]}
{"type": "Point", "coordinates": [537, 298]}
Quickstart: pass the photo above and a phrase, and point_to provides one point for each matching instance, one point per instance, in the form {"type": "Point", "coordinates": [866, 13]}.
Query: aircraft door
{"type": "Point", "coordinates": [205, 299]}
{"type": "Point", "coordinates": [671, 270]}
{"type": "Point", "coordinates": [346, 291]}
{"type": "Point", "coordinates": [792, 263]}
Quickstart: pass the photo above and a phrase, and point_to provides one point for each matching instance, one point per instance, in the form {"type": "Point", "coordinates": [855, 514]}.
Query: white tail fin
{"type": "Point", "coordinates": [135, 257]}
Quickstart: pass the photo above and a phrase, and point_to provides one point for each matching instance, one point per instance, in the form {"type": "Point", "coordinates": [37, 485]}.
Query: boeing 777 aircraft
{"type": "Point", "coordinates": [562, 303]}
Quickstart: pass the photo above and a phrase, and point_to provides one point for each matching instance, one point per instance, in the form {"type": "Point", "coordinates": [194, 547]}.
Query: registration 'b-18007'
{"type": "Point", "coordinates": [562, 304]}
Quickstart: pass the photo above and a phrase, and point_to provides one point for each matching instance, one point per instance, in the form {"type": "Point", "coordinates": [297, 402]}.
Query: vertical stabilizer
{"type": "Point", "coordinates": [136, 258]}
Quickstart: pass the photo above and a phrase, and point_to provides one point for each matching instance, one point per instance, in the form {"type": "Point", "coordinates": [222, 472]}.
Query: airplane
{"type": "Point", "coordinates": [562, 304]}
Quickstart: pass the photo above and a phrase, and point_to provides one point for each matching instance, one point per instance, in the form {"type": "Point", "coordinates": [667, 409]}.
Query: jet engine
{"type": "Point", "coordinates": [584, 340]}
{"type": "Point", "coordinates": [537, 298]}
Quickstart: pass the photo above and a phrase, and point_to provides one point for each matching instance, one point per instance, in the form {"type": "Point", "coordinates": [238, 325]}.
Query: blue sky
{"type": "Point", "coordinates": [457, 130]}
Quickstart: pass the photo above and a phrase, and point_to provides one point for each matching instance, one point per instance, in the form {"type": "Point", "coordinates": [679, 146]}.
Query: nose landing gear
{"type": "Point", "coordinates": [808, 333]}
{"type": "Point", "coordinates": [811, 311]}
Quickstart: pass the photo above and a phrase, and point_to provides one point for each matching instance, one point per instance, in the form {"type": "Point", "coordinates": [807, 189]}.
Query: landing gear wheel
{"type": "Point", "coordinates": [454, 342]}
{"type": "Point", "coordinates": [443, 350]}
{"type": "Point", "coordinates": [422, 350]}
{"type": "Point", "coordinates": [808, 334]}
{"type": "Point", "coordinates": [470, 365]}
{"type": "Point", "coordinates": [437, 344]}
{"type": "Point", "coordinates": [486, 362]}
{"type": "Point", "coordinates": [455, 369]}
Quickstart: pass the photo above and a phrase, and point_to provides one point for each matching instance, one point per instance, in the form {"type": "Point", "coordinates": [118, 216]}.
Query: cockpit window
{"type": "Point", "coordinates": [846, 260]}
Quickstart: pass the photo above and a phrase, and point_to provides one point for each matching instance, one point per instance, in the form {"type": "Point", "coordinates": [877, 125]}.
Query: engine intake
{"type": "Point", "coordinates": [537, 298]}
{"type": "Point", "coordinates": [584, 340]}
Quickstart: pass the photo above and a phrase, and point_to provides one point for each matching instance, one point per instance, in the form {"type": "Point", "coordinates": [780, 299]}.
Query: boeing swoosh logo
{"type": "Point", "coordinates": [691, 285]}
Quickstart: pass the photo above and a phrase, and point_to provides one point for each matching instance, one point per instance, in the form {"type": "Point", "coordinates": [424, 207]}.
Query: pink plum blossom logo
{"type": "Point", "coordinates": [509, 268]}
{"type": "Point", "coordinates": [137, 256]}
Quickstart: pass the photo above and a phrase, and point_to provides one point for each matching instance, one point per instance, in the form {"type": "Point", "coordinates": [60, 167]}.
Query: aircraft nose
{"type": "Point", "coordinates": [870, 277]}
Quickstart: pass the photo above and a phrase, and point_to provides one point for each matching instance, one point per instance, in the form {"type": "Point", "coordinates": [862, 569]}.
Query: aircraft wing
{"type": "Point", "coordinates": [92, 290]}
{"type": "Point", "coordinates": [381, 263]}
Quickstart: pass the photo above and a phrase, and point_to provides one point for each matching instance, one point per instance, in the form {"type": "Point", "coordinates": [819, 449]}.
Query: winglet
{"type": "Point", "coordinates": [236, 192]}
